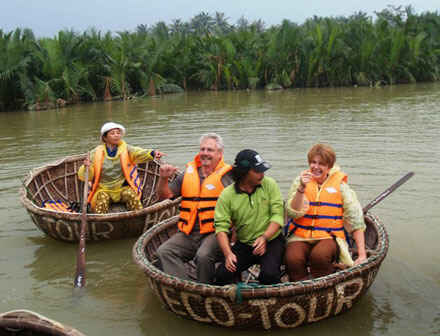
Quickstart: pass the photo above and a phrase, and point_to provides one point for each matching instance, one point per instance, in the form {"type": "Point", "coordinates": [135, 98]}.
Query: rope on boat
{"type": "Point", "coordinates": [242, 285]}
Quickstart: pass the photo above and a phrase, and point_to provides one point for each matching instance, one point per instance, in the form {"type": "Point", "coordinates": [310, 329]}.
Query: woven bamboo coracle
{"type": "Point", "coordinates": [26, 322]}
{"type": "Point", "coordinates": [249, 305]}
{"type": "Point", "coordinates": [59, 181]}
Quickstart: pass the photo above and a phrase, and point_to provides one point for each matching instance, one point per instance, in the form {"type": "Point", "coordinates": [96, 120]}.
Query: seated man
{"type": "Point", "coordinates": [200, 185]}
{"type": "Point", "coordinates": [255, 207]}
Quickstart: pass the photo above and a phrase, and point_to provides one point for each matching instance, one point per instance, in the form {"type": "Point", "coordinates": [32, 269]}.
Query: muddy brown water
{"type": "Point", "coordinates": [378, 134]}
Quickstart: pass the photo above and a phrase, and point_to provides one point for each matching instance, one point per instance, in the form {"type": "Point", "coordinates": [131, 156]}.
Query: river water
{"type": "Point", "coordinates": [379, 135]}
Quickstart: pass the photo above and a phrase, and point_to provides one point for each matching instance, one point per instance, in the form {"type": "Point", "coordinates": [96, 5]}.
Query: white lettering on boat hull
{"type": "Point", "coordinates": [282, 312]}
{"type": "Point", "coordinates": [70, 230]}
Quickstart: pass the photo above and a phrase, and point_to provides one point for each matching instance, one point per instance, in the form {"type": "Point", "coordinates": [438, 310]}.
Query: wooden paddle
{"type": "Point", "coordinates": [80, 276]}
{"type": "Point", "coordinates": [379, 198]}
{"type": "Point", "coordinates": [388, 191]}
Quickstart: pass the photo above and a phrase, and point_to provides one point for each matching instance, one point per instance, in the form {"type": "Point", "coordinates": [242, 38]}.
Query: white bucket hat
{"type": "Point", "coordinates": [111, 125]}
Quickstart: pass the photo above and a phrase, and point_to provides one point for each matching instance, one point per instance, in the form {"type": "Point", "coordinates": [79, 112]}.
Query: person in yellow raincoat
{"type": "Point", "coordinates": [112, 170]}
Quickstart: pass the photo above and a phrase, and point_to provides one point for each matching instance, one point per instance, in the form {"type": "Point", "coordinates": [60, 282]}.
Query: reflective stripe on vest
{"type": "Point", "coordinates": [131, 173]}
{"type": "Point", "coordinates": [200, 199]}
{"type": "Point", "coordinates": [292, 226]}
{"type": "Point", "coordinates": [324, 217]}
{"type": "Point", "coordinates": [128, 168]}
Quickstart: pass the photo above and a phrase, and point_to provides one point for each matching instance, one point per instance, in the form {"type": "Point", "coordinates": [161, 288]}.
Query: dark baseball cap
{"type": "Point", "coordinates": [250, 159]}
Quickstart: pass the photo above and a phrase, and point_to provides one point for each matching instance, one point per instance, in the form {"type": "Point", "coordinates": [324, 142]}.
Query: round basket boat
{"type": "Point", "coordinates": [58, 182]}
{"type": "Point", "coordinates": [249, 305]}
{"type": "Point", "coordinates": [26, 322]}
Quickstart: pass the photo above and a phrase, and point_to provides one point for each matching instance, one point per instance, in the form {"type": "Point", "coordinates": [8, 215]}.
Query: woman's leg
{"type": "Point", "coordinates": [322, 257]}
{"type": "Point", "coordinates": [102, 203]}
{"type": "Point", "coordinates": [129, 197]}
{"type": "Point", "coordinates": [296, 257]}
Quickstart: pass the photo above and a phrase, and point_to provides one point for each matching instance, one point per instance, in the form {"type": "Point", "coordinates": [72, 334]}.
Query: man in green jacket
{"type": "Point", "coordinates": [254, 207]}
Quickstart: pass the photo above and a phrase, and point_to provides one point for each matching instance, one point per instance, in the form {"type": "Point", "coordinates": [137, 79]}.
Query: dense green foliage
{"type": "Point", "coordinates": [207, 52]}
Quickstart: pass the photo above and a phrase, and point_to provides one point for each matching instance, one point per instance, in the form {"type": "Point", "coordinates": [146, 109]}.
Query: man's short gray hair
{"type": "Point", "coordinates": [218, 139]}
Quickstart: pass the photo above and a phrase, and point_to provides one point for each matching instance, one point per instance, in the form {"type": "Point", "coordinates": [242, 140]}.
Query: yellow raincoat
{"type": "Point", "coordinates": [112, 180]}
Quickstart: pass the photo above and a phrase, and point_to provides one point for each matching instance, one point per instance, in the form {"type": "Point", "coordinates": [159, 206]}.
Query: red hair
{"type": "Point", "coordinates": [325, 152]}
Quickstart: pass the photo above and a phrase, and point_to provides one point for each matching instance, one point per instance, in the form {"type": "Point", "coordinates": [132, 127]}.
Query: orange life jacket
{"type": "Point", "coordinates": [128, 168]}
{"type": "Point", "coordinates": [56, 205]}
{"type": "Point", "coordinates": [325, 215]}
{"type": "Point", "coordinates": [200, 199]}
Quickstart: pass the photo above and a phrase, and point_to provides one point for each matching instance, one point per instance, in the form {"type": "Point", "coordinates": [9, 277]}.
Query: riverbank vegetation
{"type": "Point", "coordinates": [398, 46]}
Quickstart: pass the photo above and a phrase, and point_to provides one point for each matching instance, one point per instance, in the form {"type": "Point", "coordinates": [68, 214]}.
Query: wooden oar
{"type": "Point", "coordinates": [379, 198]}
{"type": "Point", "coordinates": [80, 276]}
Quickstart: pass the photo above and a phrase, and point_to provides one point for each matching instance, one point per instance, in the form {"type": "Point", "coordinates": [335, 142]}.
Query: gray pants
{"type": "Point", "coordinates": [181, 248]}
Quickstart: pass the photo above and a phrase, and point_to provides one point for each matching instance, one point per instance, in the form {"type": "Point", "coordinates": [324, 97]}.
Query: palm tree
{"type": "Point", "coordinates": [62, 66]}
{"type": "Point", "coordinates": [248, 62]}
{"type": "Point", "coordinates": [202, 23]}
{"type": "Point", "coordinates": [282, 57]}
{"type": "Point", "coordinates": [179, 27]}
{"type": "Point", "coordinates": [221, 24]}
{"type": "Point", "coordinates": [326, 53]}
{"type": "Point", "coordinates": [153, 65]}
{"type": "Point", "coordinates": [93, 53]}
{"type": "Point", "coordinates": [215, 62]}
{"type": "Point", "coordinates": [121, 59]}
{"type": "Point", "coordinates": [178, 58]}
{"type": "Point", "coordinates": [360, 39]}
{"type": "Point", "coordinates": [15, 67]}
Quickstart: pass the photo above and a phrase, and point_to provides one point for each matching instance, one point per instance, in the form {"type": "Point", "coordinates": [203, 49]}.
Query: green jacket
{"type": "Point", "coordinates": [250, 214]}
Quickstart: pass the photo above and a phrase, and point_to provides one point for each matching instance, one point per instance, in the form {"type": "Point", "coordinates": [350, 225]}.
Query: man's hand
{"type": "Point", "coordinates": [231, 262]}
{"type": "Point", "coordinates": [167, 170]}
{"type": "Point", "coordinates": [259, 246]}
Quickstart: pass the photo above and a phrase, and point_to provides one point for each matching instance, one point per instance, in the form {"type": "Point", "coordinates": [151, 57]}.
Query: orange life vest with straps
{"type": "Point", "coordinates": [128, 168]}
{"type": "Point", "coordinates": [57, 205]}
{"type": "Point", "coordinates": [324, 218]}
{"type": "Point", "coordinates": [200, 199]}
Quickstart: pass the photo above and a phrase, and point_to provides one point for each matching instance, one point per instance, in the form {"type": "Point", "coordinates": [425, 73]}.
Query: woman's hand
{"type": "Point", "coordinates": [358, 236]}
{"type": "Point", "coordinates": [158, 154]}
{"type": "Point", "coordinates": [305, 177]}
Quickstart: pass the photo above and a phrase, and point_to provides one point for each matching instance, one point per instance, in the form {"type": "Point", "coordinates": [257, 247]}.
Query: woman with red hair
{"type": "Point", "coordinates": [321, 206]}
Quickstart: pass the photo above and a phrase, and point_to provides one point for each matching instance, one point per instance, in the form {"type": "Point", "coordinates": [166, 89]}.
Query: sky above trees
{"type": "Point", "coordinates": [47, 17]}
